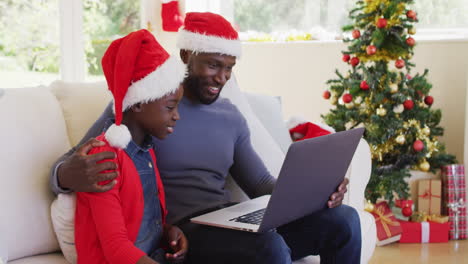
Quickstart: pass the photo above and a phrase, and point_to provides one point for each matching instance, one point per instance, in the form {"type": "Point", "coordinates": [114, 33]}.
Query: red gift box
{"type": "Point", "coordinates": [454, 198]}
{"type": "Point", "coordinates": [388, 228]}
{"type": "Point", "coordinates": [424, 232]}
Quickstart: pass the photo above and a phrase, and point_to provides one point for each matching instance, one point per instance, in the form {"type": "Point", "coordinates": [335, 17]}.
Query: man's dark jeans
{"type": "Point", "coordinates": [334, 234]}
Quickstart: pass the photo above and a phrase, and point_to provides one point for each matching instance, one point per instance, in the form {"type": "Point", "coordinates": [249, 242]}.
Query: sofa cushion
{"type": "Point", "coordinates": [268, 111]}
{"type": "Point", "coordinates": [87, 99]}
{"type": "Point", "coordinates": [63, 220]}
{"type": "Point", "coordinates": [55, 258]}
{"type": "Point", "coordinates": [262, 141]}
{"type": "Point", "coordinates": [265, 146]}
{"type": "Point", "coordinates": [34, 135]}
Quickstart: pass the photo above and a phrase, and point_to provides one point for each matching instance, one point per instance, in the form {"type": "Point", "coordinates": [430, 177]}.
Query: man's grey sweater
{"type": "Point", "coordinates": [208, 143]}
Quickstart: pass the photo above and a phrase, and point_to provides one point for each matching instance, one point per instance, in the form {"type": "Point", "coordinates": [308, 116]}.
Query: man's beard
{"type": "Point", "coordinates": [195, 85]}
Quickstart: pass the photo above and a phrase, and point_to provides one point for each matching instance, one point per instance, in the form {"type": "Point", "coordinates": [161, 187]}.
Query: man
{"type": "Point", "coordinates": [211, 140]}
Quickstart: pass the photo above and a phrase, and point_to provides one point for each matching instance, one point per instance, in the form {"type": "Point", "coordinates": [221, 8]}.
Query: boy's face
{"type": "Point", "coordinates": [158, 118]}
{"type": "Point", "coordinates": [207, 74]}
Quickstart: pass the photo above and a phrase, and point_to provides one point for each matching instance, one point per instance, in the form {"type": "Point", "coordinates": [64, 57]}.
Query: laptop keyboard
{"type": "Point", "coordinates": [254, 217]}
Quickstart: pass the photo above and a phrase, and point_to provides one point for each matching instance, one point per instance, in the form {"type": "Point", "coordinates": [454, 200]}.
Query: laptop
{"type": "Point", "coordinates": [311, 172]}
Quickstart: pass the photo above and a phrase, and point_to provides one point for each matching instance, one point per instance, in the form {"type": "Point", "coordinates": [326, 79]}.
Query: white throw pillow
{"type": "Point", "coordinates": [63, 219]}
{"type": "Point", "coordinates": [263, 143]}
{"type": "Point", "coordinates": [82, 104]}
{"type": "Point", "coordinates": [268, 110]}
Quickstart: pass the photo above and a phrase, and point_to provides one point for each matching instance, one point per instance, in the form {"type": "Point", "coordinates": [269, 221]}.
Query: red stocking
{"type": "Point", "coordinates": [172, 20]}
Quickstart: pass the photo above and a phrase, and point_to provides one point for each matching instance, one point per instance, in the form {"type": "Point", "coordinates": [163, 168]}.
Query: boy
{"type": "Point", "coordinates": [127, 223]}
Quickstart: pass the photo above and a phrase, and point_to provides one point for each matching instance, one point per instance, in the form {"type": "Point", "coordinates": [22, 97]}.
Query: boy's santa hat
{"type": "Point", "coordinates": [137, 70]}
{"type": "Point", "coordinates": [210, 33]}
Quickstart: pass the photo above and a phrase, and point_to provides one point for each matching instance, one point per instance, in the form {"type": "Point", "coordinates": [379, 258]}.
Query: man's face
{"type": "Point", "coordinates": [207, 75]}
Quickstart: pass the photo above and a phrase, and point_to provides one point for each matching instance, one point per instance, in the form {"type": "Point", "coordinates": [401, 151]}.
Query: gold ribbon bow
{"type": "Point", "coordinates": [385, 219]}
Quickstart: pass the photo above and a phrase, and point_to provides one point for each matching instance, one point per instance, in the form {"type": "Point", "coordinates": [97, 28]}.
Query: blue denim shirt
{"type": "Point", "coordinates": [151, 229]}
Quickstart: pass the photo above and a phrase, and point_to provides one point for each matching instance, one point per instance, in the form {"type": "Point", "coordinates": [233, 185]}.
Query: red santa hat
{"type": "Point", "coordinates": [208, 32]}
{"type": "Point", "coordinates": [137, 70]}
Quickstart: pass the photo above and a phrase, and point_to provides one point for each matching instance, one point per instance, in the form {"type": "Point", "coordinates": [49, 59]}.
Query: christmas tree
{"type": "Point", "coordinates": [379, 93]}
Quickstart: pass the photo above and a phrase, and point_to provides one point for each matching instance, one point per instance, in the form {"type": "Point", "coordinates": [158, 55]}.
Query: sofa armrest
{"type": "Point", "coordinates": [358, 174]}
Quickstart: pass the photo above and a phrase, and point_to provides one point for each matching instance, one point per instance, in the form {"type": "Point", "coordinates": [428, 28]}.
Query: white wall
{"type": "Point", "coordinates": [298, 73]}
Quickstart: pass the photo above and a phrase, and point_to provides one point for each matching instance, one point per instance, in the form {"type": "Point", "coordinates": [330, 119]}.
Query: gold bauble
{"type": "Point", "coordinates": [424, 166]}
{"type": "Point", "coordinates": [400, 139]}
{"type": "Point", "coordinates": [426, 131]}
{"type": "Point", "coordinates": [393, 88]}
{"type": "Point", "coordinates": [381, 111]}
{"type": "Point", "coordinates": [409, 56]}
{"type": "Point", "coordinates": [349, 105]}
{"type": "Point", "coordinates": [369, 207]}
{"type": "Point", "coordinates": [412, 31]}
{"type": "Point", "coordinates": [333, 100]}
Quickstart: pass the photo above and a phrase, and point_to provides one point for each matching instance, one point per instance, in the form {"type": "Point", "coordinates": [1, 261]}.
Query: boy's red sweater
{"type": "Point", "coordinates": [107, 224]}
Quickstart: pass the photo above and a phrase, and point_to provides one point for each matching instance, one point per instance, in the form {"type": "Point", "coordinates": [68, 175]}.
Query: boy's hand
{"type": "Point", "coordinates": [177, 242]}
{"type": "Point", "coordinates": [81, 172]}
{"type": "Point", "coordinates": [336, 199]}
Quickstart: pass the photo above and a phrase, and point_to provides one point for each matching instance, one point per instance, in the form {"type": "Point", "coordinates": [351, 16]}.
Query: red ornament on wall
{"type": "Point", "coordinates": [418, 145]}
{"type": "Point", "coordinates": [381, 23]}
{"type": "Point", "coordinates": [429, 100]}
{"type": "Point", "coordinates": [346, 57]}
{"type": "Point", "coordinates": [408, 104]}
{"type": "Point", "coordinates": [354, 61]}
{"type": "Point", "coordinates": [399, 63]}
{"type": "Point", "coordinates": [371, 50]}
{"type": "Point", "coordinates": [326, 94]}
{"type": "Point", "coordinates": [356, 34]}
{"type": "Point", "coordinates": [364, 85]}
{"type": "Point", "coordinates": [347, 98]}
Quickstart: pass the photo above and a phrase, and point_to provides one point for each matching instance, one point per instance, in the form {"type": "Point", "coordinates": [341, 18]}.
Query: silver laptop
{"type": "Point", "coordinates": [311, 172]}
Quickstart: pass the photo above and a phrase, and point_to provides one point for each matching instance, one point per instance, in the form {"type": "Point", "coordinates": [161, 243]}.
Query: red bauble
{"type": "Point", "coordinates": [346, 57]}
{"type": "Point", "coordinates": [418, 145]}
{"type": "Point", "coordinates": [411, 14]}
{"type": "Point", "coordinates": [354, 61]}
{"type": "Point", "coordinates": [408, 104]}
{"type": "Point", "coordinates": [399, 63]}
{"type": "Point", "coordinates": [429, 100]}
{"type": "Point", "coordinates": [347, 98]}
{"type": "Point", "coordinates": [381, 23]}
{"type": "Point", "coordinates": [371, 50]}
{"type": "Point", "coordinates": [407, 211]}
{"type": "Point", "coordinates": [356, 34]}
{"type": "Point", "coordinates": [410, 41]}
{"type": "Point", "coordinates": [326, 94]}
{"type": "Point", "coordinates": [364, 85]}
{"type": "Point", "coordinates": [408, 77]}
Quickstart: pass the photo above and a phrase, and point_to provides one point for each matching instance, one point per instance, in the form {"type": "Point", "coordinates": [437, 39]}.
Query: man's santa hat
{"type": "Point", "coordinates": [137, 70]}
{"type": "Point", "coordinates": [210, 33]}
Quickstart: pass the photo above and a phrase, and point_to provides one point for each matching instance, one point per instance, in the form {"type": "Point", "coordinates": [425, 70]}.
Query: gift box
{"type": "Point", "coordinates": [388, 227]}
{"type": "Point", "coordinates": [424, 232]}
{"type": "Point", "coordinates": [453, 193]}
{"type": "Point", "coordinates": [429, 196]}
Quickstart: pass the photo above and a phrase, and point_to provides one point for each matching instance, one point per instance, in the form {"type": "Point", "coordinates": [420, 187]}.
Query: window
{"type": "Point", "coordinates": [323, 18]}
{"type": "Point", "coordinates": [34, 34]}
{"type": "Point", "coordinates": [104, 21]}
{"type": "Point", "coordinates": [29, 43]}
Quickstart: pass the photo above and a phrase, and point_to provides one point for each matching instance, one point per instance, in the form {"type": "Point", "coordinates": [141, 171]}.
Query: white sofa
{"type": "Point", "coordinates": [41, 123]}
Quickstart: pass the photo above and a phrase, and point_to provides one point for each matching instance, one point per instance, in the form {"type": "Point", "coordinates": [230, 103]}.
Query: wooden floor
{"type": "Point", "coordinates": [443, 253]}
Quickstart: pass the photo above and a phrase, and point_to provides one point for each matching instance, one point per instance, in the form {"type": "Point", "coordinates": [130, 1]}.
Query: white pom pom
{"type": "Point", "coordinates": [295, 121]}
{"type": "Point", "coordinates": [118, 136]}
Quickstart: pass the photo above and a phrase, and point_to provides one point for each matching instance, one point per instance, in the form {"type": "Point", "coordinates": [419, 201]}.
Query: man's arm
{"type": "Point", "coordinates": [78, 171]}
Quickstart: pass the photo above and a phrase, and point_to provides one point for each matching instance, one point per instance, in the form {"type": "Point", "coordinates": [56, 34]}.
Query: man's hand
{"type": "Point", "coordinates": [337, 197]}
{"type": "Point", "coordinates": [81, 172]}
{"type": "Point", "coordinates": [177, 242]}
